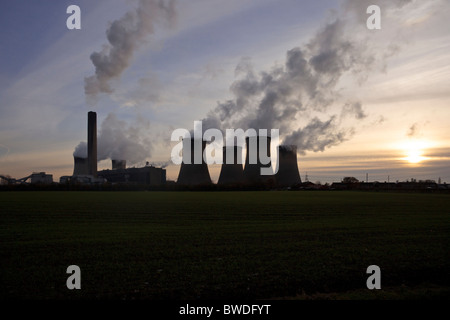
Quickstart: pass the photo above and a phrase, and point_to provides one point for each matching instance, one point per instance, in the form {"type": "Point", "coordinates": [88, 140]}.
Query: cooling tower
{"type": "Point", "coordinates": [92, 143]}
{"type": "Point", "coordinates": [232, 173]}
{"type": "Point", "coordinates": [119, 164]}
{"type": "Point", "coordinates": [287, 174]}
{"type": "Point", "coordinates": [191, 173]}
{"type": "Point", "coordinates": [80, 166]}
{"type": "Point", "coordinates": [252, 171]}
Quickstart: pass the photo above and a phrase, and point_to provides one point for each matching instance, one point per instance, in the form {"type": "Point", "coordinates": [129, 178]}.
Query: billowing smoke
{"type": "Point", "coordinates": [124, 38]}
{"type": "Point", "coordinates": [303, 97]}
{"type": "Point", "coordinates": [81, 150]}
{"type": "Point", "coordinates": [305, 84]}
{"type": "Point", "coordinates": [161, 164]}
{"type": "Point", "coordinates": [318, 135]}
{"type": "Point", "coordinates": [116, 138]}
{"type": "Point", "coordinates": [121, 141]}
{"type": "Point", "coordinates": [353, 109]}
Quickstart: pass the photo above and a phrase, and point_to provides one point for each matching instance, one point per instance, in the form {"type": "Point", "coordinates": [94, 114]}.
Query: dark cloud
{"type": "Point", "coordinates": [354, 110]}
{"type": "Point", "coordinates": [318, 135]}
{"type": "Point", "coordinates": [413, 130]}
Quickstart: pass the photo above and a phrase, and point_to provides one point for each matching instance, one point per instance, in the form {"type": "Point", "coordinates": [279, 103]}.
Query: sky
{"type": "Point", "coordinates": [356, 101]}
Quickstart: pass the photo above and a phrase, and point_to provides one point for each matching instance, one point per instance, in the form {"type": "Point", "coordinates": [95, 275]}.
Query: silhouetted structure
{"type": "Point", "coordinates": [232, 173]}
{"type": "Point", "coordinates": [288, 174]}
{"type": "Point", "coordinates": [252, 171]}
{"type": "Point", "coordinates": [92, 144]}
{"type": "Point", "coordinates": [80, 166]}
{"type": "Point", "coordinates": [148, 175]}
{"type": "Point", "coordinates": [118, 164]}
{"type": "Point", "coordinates": [190, 173]}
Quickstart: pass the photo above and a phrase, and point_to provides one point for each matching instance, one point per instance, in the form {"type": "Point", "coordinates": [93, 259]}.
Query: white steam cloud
{"type": "Point", "coordinates": [125, 36]}
{"type": "Point", "coordinates": [302, 96]}
{"type": "Point", "coordinates": [81, 150]}
{"type": "Point", "coordinates": [120, 141]}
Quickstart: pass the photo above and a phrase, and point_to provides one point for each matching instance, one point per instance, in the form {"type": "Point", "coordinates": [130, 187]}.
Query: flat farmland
{"type": "Point", "coordinates": [221, 245]}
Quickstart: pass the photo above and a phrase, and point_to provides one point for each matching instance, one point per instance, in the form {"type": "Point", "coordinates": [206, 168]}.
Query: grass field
{"type": "Point", "coordinates": [211, 245]}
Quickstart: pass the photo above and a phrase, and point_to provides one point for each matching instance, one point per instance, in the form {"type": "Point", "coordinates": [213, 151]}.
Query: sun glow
{"type": "Point", "coordinates": [414, 151]}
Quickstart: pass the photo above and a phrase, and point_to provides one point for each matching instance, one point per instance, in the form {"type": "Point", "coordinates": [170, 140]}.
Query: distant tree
{"type": "Point", "coordinates": [350, 180]}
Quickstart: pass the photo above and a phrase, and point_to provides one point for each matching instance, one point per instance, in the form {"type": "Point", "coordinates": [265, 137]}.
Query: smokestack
{"type": "Point", "coordinates": [92, 143]}
{"type": "Point", "coordinates": [287, 174]}
{"type": "Point", "coordinates": [232, 173]}
{"type": "Point", "coordinates": [80, 166]}
{"type": "Point", "coordinates": [252, 171]}
{"type": "Point", "coordinates": [193, 174]}
{"type": "Point", "coordinates": [119, 164]}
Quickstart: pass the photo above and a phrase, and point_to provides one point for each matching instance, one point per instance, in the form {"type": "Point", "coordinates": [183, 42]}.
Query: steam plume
{"type": "Point", "coordinates": [302, 98]}
{"type": "Point", "coordinates": [124, 38]}
{"type": "Point", "coordinates": [119, 140]}
{"type": "Point", "coordinates": [81, 150]}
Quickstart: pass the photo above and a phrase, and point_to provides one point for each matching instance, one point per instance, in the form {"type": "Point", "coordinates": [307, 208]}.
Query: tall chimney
{"type": "Point", "coordinates": [287, 175]}
{"type": "Point", "coordinates": [92, 143]}
{"type": "Point", "coordinates": [193, 174]}
{"type": "Point", "coordinates": [231, 173]}
{"type": "Point", "coordinates": [252, 171]}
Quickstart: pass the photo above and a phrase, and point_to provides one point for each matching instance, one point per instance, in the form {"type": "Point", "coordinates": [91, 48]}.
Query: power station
{"type": "Point", "coordinates": [253, 163]}
{"type": "Point", "coordinates": [232, 173]}
{"type": "Point", "coordinates": [191, 173]}
{"type": "Point", "coordinates": [85, 169]}
{"type": "Point", "coordinates": [80, 166]}
{"type": "Point", "coordinates": [195, 173]}
{"type": "Point", "coordinates": [92, 144]}
{"type": "Point", "coordinates": [288, 174]}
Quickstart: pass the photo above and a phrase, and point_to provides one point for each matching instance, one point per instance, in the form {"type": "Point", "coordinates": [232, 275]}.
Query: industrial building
{"type": "Point", "coordinates": [192, 174]}
{"type": "Point", "coordinates": [34, 178]}
{"type": "Point", "coordinates": [253, 164]}
{"type": "Point", "coordinates": [92, 144]}
{"type": "Point", "coordinates": [41, 177]}
{"type": "Point", "coordinates": [85, 169]}
{"type": "Point", "coordinates": [80, 166]}
{"type": "Point", "coordinates": [231, 173]}
{"type": "Point", "coordinates": [147, 175]}
{"type": "Point", "coordinates": [288, 174]}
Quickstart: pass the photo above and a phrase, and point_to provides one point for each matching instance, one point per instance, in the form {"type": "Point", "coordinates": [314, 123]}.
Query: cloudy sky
{"type": "Point", "coordinates": [353, 100]}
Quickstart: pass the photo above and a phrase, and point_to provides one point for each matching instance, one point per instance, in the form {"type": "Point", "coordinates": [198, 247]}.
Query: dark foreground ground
{"type": "Point", "coordinates": [221, 245]}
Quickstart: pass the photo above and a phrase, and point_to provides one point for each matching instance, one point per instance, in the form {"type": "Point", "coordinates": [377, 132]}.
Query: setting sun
{"type": "Point", "coordinates": [414, 150]}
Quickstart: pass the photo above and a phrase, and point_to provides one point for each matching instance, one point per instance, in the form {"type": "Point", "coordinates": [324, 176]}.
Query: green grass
{"type": "Point", "coordinates": [209, 245]}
